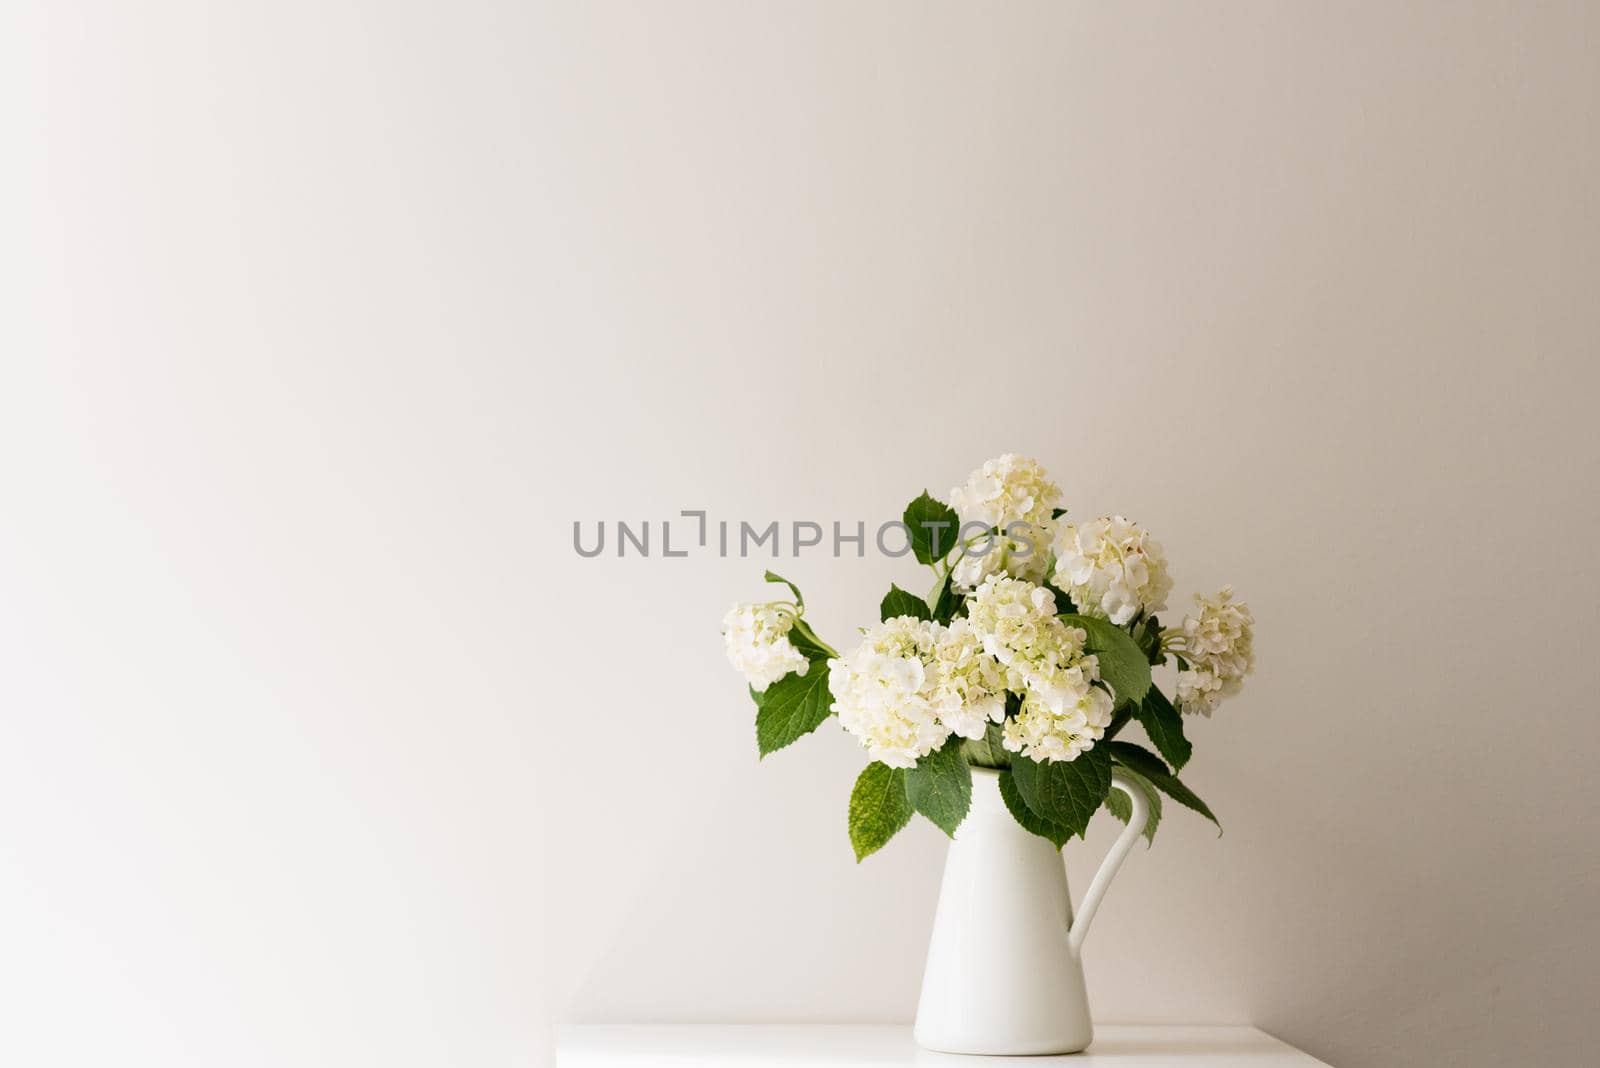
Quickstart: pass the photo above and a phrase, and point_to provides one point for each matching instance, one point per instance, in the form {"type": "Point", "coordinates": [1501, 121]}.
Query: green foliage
{"type": "Point", "coordinates": [792, 707]}
{"type": "Point", "coordinates": [898, 602]}
{"type": "Point", "coordinates": [800, 602]}
{"type": "Point", "coordinates": [986, 752]}
{"type": "Point", "coordinates": [878, 808]}
{"type": "Point", "coordinates": [1148, 635]}
{"type": "Point", "coordinates": [1164, 725]}
{"type": "Point", "coordinates": [946, 601]}
{"type": "Point", "coordinates": [803, 638]}
{"type": "Point", "coordinates": [1118, 805]}
{"type": "Point", "coordinates": [1031, 821]}
{"type": "Point", "coordinates": [940, 787]}
{"type": "Point", "coordinates": [1065, 792]}
{"type": "Point", "coordinates": [1139, 759]}
{"type": "Point", "coordinates": [928, 521]}
{"type": "Point", "coordinates": [1123, 664]}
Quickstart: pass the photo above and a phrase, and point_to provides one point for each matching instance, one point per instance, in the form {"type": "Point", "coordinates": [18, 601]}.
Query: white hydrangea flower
{"type": "Point", "coordinates": [1026, 556]}
{"type": "Point", "coordinates": [1112, 567]}
{"type": "Point", "coordinates": [1017, 623]}
{"type": "Point", "coordinates": [970, 691]}
{"type": "Point", "coordinates": [1039, 733]}
{"type": "Point", "coordinates": [757, 640]}
{"type": "Point", "coordinates": [885, 688]}
{"type": "Point", "coordinates": [1063, 712]}
{"type": "Point", "coordinates": [1014, 495]}
{"type": "Point", "coordinates": [1009, 488]}
{"type": "Point", "coordinates": [1217, 644]}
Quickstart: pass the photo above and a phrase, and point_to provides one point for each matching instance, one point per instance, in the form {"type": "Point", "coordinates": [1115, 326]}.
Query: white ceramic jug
{"type": "Point", "coordinates": [1003, 973]}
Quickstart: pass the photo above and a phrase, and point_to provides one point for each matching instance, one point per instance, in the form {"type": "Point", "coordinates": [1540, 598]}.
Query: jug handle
{"type": "Point", "coordinates": [1140, 811]}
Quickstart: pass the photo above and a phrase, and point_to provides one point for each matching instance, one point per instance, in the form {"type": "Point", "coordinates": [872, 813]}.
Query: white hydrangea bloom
{"type": "Point", "coordinates": [1017, 623]}
{"type": "Point", "coordinates": [1112, 567]}
{"type": "Point", "coordinates": [1039, 733]}
{"type": "Point", "coordinates": [1217, 644]}
{"type": "Point", "coordinates": [1009, 488]}
{"type": "Point", "coordinates": [1063, 712]}
{"type": "Point", "coordinates": [970, 691]}
{"type": "Point", "coordinates": [757, 640]}
{"type": "Point", "coordinates": [885, 691]}
{"type": "Point", "coordinates": [1026, 556]}
{"type": "Point", "coordinates": [1013, 495]}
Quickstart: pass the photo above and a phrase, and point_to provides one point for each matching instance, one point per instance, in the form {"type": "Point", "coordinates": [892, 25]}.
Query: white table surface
{"type": "Point", "coordinates": [841, 1046]}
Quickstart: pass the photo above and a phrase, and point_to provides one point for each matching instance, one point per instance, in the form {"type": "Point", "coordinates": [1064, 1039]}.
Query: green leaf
{"type": "Point", "coordinates": [1164, 725]}
{"type": "Point", "coordinates": [878, 808]}
{"type": "Point", "coordinates": [1149, 639]}
{"type": "Point", "coordinates": [940, 787]}
{"type": "Point", "coordinates": [1119, 720]}
{"type": "Point", "coordinates": [946, 601]}
{"type": "Point", "coordinates": [799, 601]}
{"type": "Point", "coordinates": [1118, 805]}
{"type": "Point", "coordinates": [1180, 793]}
{"type": "Point", "coordinates": [1065, 792]}
{"type": "Point", "coordinates": [898, 602]}
{"type": "Point", "coordinates": [1139, 759]}
{"type": "Point", "coordinates": [803, 638]}
{"type": "Point", "coordinates": [1135, 756]}
{"type": "Point", "coordinates": [1123, 664]}
{"type": "Point", "coordinates": [1152, 804]}
{"type": "Point", "coordinates": [1030, 820]}
{"type": "Point", "coordinates": [931, 521]}
{"type": "Point", "coordinates": [792, 707]}
{"type": "Point", "coordinates": [986, 752]}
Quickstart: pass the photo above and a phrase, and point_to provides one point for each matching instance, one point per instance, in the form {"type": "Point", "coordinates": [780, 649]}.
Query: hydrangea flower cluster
{"type": "Point", "coordinates": [1217, 645]}
{"type": "Point", "coordinates": [884, 691]}
{"type": "Point", "coordinates": [1039, 732]}
{"type": "Point", "coordinates": [1014, 496]}
{"type": "Point", "coordinates": [911, 684]}
{"type": "Point", "coordinates": [971, 691]}
{"type": "Point", "coordinates": [1009, 489]}
{"type": "Point", "coordinates": [1063, 712]}
{"type": "Point", "coordinates": [1112, 567]}
{"type": "Point", "coordinates": [756, 637]}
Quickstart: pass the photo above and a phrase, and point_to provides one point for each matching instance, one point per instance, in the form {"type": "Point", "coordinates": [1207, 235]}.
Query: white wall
{"type": "Point", "coordinates": [333, 321]}
{"type": "Point", "coordinates": [269, 744]}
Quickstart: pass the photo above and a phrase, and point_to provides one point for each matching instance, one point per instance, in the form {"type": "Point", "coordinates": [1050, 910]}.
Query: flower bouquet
{"type": "Point", "coordinates": [1029, 657]}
